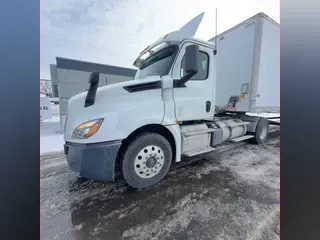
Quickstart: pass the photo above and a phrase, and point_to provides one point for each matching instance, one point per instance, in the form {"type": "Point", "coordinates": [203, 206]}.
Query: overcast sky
{"type": "Point", "coordinates": [115, 31]}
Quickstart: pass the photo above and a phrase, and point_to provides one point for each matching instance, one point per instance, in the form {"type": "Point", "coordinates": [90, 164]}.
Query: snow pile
{"type": "Point", "coordinates": [55, 110]}
{"type": "Point", "coordinates": [51, 139]}
{"type": "Point", "coordinates": [255, 165]}
{"type": "Point", "coordinates": [52, 143]}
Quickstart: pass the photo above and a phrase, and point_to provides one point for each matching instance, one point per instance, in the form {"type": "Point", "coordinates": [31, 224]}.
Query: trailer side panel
{"type": "Point", "coordinates": [234, 66]}
{"type": "Point", "coordinates": [268, 90]}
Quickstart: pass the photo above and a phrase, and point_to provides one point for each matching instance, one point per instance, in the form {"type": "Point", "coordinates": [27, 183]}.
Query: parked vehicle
{"type": "Point", "coordinates": [187, 98]}
{"type": "Point", "coordinates": [55, 101]}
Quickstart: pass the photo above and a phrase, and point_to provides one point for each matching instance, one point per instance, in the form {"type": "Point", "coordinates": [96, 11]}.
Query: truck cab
{"type": "Point", "coordinates": [139, 127]}
{"type": "Point", "coordinates": [186, 73]}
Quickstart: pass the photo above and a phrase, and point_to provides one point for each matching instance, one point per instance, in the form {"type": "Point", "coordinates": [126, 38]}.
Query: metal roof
{"type": "Point", "coordinates": [72, 64]}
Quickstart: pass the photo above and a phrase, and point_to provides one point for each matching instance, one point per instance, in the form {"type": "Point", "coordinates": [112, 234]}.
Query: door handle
{"type": "Point", "coordinates": [208, 106]}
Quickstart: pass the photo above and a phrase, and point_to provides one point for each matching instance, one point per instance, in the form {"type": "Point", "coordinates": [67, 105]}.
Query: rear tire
{"type": "Point", "coordinates": [146, 160]}
{"type": "Point", "coordinates": [261, 132]}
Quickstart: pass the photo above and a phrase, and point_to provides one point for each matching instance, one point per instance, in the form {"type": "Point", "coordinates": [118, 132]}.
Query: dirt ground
{"type": "Point", "coordinates": [232, 193]}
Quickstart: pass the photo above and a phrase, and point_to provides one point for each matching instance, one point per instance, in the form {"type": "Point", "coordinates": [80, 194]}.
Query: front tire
{"type": "Point", "coordinates": [146, 160]}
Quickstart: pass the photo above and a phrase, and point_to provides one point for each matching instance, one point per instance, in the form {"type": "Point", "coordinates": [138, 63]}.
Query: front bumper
{"type": "Point", "coordinates": [93, 161]}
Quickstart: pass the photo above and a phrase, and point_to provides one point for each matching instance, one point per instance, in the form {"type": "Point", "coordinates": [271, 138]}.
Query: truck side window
{"type": "Point", "coordinates": [203, 67]}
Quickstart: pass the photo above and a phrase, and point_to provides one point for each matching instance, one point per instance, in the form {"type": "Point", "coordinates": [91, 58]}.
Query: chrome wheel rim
{"type": "Point", "coordinates": [149, 161]}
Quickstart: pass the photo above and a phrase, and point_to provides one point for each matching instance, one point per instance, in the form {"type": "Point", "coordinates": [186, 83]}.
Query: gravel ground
{"type": "Point", "coordinates": [232, 193]}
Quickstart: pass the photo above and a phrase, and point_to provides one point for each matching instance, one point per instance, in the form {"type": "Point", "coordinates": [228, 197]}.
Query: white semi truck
{"type": "Point", "coordinates": [187, 98]}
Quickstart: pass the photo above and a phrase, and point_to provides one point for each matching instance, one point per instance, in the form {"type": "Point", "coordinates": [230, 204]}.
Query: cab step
{"type": "Point", "coordinates": [239, 139]}
{"type": "Point", "coordinates": [198, 151]}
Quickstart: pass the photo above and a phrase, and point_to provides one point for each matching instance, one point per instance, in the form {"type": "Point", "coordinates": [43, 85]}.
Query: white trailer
{"type": "Point", "coordinates": [248, 72]}
{"type": "Point", "coordinates": [141, 126]}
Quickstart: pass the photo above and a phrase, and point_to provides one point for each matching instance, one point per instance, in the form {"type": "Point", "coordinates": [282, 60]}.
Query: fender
{"type": "Point", "coordinates": [122, 111]}
{"type": "Point", "coordinates": [176, 133]}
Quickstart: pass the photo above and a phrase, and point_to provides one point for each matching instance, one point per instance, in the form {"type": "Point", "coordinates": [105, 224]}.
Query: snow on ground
{"type": "Point", "coordinates": [51, 139]}
{"type": "Point", "coordinates": [232, 194]}
{"type": "Point", "coordinates": [246, 209]}
{"type": "Point", "coordinates": [52, 143]}
{"type": "Point", "coordinates": [52, 120]}
{"type": "Point", "coordinates": [55, 110]}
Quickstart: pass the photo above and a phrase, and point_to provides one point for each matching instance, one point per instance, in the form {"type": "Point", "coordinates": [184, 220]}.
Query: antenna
{"type": "Point", "coordinates": [215, 50]}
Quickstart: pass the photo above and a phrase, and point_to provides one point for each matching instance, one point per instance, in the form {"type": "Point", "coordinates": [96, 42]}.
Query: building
{"type": "Point", "coordinates": [70, 77]}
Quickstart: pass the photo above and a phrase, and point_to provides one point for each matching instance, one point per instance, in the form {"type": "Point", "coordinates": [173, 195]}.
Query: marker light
{"type": "Point", "coordinates": [87, 129]}
{"type": "Point", "coordinates": [144, 50]}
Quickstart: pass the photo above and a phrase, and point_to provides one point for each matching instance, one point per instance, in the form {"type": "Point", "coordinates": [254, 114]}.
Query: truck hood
{"type": "Point", "coordinates": [113, 100]}
{"type": "Point", "coordinates": [113, 90]}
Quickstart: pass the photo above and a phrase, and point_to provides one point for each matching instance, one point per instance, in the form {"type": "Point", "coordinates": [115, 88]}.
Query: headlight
{"type": "Point", "coordinates": [87, 129]}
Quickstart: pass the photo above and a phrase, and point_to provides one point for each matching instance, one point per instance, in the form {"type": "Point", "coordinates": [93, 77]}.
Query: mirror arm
{"type": "Point", "coordinates": [187, 77]}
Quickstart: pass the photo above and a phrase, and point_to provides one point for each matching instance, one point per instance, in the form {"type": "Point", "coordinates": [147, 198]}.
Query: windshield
{"type": "Point", "coordinates": [158, 63]}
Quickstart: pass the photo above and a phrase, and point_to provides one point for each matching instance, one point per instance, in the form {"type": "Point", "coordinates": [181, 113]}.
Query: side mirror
{"type": "Point", "coordinates": [191, 62]}
{"type": "Point", "coordinates": [191, 58]}
{"type": "Point", "coordinates": [92, 91]}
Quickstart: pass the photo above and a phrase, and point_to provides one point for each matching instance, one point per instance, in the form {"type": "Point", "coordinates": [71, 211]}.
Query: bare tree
{"type": "Point", "coordinates": [46, 87]}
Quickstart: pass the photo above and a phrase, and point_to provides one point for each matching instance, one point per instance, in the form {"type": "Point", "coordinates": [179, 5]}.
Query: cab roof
{"type": "Point", "coordinates": [186, 31]}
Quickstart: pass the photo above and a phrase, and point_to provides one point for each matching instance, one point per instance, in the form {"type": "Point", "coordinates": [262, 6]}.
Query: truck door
{"type": "Point", "coordinates": [196, 100]}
